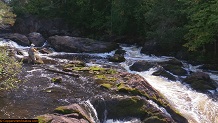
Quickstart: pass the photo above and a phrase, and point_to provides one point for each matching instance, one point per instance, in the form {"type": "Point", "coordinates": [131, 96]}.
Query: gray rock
{"type": "Point", "coordinates": [18, 38]}
{"type": "Point", "coordinates": [75, 44]}
{"type": "Point", "coordinates": [36, 38]}
{"type": "Point", "coordinates": [141, 66]}
{"type": "Point", "coordinates": [200, 81]}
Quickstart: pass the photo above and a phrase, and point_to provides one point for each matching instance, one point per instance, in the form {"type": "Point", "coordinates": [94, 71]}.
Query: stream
{"type": "Point", "coordinates": [37, 95]}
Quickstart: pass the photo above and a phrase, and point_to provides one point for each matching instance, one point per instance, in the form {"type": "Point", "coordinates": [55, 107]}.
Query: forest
{"type": "Point", "coordinates": [190, 25]}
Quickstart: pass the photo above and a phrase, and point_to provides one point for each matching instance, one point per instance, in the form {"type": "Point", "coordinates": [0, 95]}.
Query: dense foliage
{"type": "Point", "coordinates": [9, 69]}
{"type": "Point", "coordinates": [6, 15]}
{"type": "Point", "coordinates": [174, 23]}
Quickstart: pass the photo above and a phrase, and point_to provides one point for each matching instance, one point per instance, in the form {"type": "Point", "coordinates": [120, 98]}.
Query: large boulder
{"type": "Point", "coordinates": [200, 81]}
{"type": "Point", "coordinates": [133, 84]}
{"type": "Point", "coordinates": [73, 113]}
{"type": "Point", "coordinates": [174, 66]}
{"type": "Point", "coordinates": [36, 38]}
{"type": "Point", "coordinates": [18, 38]}
{"type": "Point", "coordinates": [174, 61]}
{"type": "Point", "coordinates": [121, 107]}
{"type": "Point", "coordinates": [47, 27]}
{"type": "Point", "coordinates": [162, 72]}
{"type": "Point", "coordinates": [177, 70]}
{"type": "Point", "coordinates": [141, 66]}
{"type": "Point", "coordinates": [118, 56]}
{"type": "Point", "coordinates": [75, 44]}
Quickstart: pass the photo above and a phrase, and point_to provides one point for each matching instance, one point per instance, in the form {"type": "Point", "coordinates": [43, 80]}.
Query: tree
{"type": "Point", "coordinates": [7, 18]}
{"type": "Point", "coordinates": [203, 24]}
{"type": "Point", "coordinates": [166, 22]}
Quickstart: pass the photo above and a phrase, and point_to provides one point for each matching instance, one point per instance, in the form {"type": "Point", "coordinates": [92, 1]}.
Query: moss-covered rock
{"type": "Point", "coordinates": [44, 118]}
{"type": "Point", "coordinates": [129, 84]}
{"type": "Point", "coordinates": [133, 84]}
{"type": "Point", "coordinates": [107, 85]}
{"type": "Point", "coordinates": [130, 106]}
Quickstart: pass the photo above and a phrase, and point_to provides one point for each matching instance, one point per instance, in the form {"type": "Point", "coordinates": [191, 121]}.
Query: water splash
{"type": "Point", "coordinates": [10, 43]}
{"type": "Point", "coordinates": [133, 120]}
{"type": "Point", "coordinates": [195, 106]}
{"type": "Point", "coordinates": [92, 112]}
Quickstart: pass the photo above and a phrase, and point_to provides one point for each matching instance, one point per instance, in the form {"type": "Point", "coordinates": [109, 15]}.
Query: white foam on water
{"type": "Point", "coordinates": [196, 107]}
{"type": "Point", "coordinates": [12, 44]}
{"type": "Point", "coordinates": [134, 120]}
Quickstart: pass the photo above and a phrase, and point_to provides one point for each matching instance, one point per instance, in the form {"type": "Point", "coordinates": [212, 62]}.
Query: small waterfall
{"type": "Point", "coordinates": [93, 113]}
{"type": "Point", "coordinates": [196, 107]}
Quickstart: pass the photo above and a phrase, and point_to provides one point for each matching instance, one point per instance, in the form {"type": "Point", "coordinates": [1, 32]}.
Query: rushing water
{"type": "Point", "coordinates": [196, 107]}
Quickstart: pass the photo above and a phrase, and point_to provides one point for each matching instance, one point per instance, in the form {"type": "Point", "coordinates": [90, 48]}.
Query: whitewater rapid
{"type": "Point", "coordinates": [196, 107]}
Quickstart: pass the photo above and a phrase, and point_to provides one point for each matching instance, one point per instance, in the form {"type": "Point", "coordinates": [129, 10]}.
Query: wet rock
{"type": "Point", "coordinates": [118, 56]}
{"type": "Point", "coordinates": [45, 51]}
{"type": "Point", "coordinates": [162, 72]}
{"type": "Point", "coordinates": [132, 84]}
{"type": "Point", "coordinates": [174, 61]}
{"type": "Point", "coordinates": [210, 67]}
{"type": "Point", "coordinates": [75, 44]}
{"type": "Point", "coordinates": [73, 113]}
{"type": "Point", "coordinates": [130, 106]}
{"type": "Point", "coordinates": [200, 81]}
{"type": "Point", "coordinates": [174, 66]}
{"type": "Point", "coordinates": [155, 119]}
{"type": "Point", "coordinates": [36, 38]}
{"type": "Point", "coordinates": [141, 66]}
{"type": "Point", "coordinates": [177, 70]}
{"type": "Point", "coordinates": [18, 38]}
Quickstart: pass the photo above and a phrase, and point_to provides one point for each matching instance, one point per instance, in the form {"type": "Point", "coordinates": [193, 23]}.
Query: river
{"type": "Point", "coordinates": [196, 107]}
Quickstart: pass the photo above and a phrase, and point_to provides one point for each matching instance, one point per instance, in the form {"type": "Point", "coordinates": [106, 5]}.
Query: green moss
{"type": "Point", "coordinates": [133, 106]}
{"type": "Point", "coordinates": [80, 68]}
{"type": "Point", "coordinates": [105, 77]}
{"type": "Point", "coordinates": [107, 85]}
{"type": "Point", "coordinates": [43, 119]}
{"type": "Point", "coordinates": [100, 77]}
{"type": "Point", "coordinates": [96, 68]}
{"type": "Point", "coordinates": [121, 87]}
{"type": "Point", "coordinates": [111, 71]}
{"type": "Point", "coordinates": [63, 110]}
{"type": "Point", "coordinates": [75, 64]}
{"type": "Point", "coordinates": [56, 80]}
